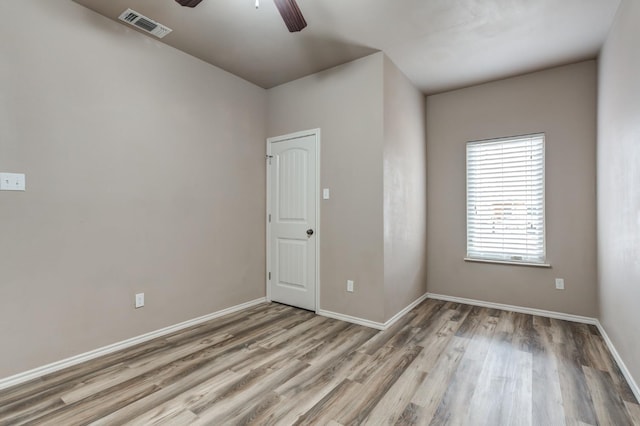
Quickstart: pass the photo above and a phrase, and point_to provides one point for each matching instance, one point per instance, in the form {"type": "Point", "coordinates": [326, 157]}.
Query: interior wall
{"type": "Point", "coordinates": [345, 102]}
{"type": "Point", "coordinates": [405, 191]}
{"type": "Point", "coordinates": [145, 173]}
{"type": "Point", "coordinates": [560, 102]}
{"type": "Point", "coordinates": [619, 185]}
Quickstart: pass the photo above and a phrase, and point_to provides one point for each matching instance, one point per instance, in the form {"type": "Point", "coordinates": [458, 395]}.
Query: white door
{"type": "Point", "coordinates": [292, 215]}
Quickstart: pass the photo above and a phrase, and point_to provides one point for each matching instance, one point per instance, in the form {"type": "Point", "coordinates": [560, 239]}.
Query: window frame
{"type": "Point", "coordinates": [543, 262]}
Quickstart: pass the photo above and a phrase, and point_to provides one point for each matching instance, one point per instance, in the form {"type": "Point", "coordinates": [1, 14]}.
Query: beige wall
{"type": "Point", "coordinates": [560, 102]}
{"type": "Point", "coordinates": [405, 192]}
{"type": "Point", "coordinates": [345, 102]}
{"type": "Point", "coordinates": [145, 173]}
{"type": "Point", "coordinates": [619, 185]}
{"type": "Point", "coordinates": [373, 229]}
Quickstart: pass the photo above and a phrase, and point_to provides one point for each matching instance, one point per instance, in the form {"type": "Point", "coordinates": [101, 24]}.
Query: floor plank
{"type": "Point", "coordinates": [633, 410]}
{"type": "Point", "coordinates": [454, 406]}
{"type": "Point", "coordinates": [442, 363]}
{"type": "Point", "coordinates": [546, 389]}
{"type": "Point", "coordinates": [504, 385]}
{"type": "Point", "coordinates": [609, 407]}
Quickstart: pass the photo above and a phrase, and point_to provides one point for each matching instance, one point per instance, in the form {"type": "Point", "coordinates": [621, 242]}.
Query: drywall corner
{"type": "Point", "coordinates": [405, 193]}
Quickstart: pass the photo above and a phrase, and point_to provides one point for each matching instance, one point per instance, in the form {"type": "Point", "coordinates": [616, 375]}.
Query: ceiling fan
{"type": "Point", "coordinates": [288, 9]}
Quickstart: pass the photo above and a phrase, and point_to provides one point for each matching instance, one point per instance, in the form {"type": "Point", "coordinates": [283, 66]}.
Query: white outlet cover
{"type": "Point", "coordinates": [325, 194]}
{"type": "Point", "coordinates": [350, 286]}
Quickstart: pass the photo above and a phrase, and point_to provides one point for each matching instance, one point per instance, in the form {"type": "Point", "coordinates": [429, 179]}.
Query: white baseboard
{"type": "Point", "coordinates": [354, 320]}
{"type": "Point", "coordinates": [512, 308]}
{"type": "Point", "coordinates": [74, 360]}
{"type": "Point", "coordinates": [551, 314]}
{"type": "Point", "coordinates": [625, 371]}
{"type": "Point", "coordinates": [373, 324]}
{"type": "Point", "coordinates": [405, 311]}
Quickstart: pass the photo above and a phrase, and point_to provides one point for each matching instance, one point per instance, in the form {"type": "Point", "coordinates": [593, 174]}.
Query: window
{"type": "Point", "coordinates": [505, 200]}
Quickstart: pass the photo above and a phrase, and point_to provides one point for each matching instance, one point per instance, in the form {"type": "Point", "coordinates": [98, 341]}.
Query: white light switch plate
{"type": "Point", "coordinates": [12, 182]}
{"type": "Point", "coordinates": [139, 300]}
{"type": "Point", "coordinates": [325, 194]}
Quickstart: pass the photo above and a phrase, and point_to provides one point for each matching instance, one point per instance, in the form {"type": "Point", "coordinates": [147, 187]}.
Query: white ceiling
{"type": "Point", "coordinates": [438, 44]}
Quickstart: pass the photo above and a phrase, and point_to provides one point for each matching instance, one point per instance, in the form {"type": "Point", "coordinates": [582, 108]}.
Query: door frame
{"type": "Point", "coordinates": [296, 135]}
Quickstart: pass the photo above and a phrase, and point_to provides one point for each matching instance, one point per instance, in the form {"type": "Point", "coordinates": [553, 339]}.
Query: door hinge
{"type": "Point", "coordinates": [269, 157]}
{"type": "Point", "coordinates": [269, 217]}
{"type": "Point", "coordinates": [269, 276]}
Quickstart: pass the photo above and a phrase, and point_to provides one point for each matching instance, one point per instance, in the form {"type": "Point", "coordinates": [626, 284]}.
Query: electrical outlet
{"type": "Point", "coordinates": [559, 283]}
{"type": "Point", "coordinates": [350, 286]}
{"type": "Point", "coordinates": [139, 300]}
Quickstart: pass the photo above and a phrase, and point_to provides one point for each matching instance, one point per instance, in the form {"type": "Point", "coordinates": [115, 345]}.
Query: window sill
{"type": "Point", "coordinates": [507, 262]}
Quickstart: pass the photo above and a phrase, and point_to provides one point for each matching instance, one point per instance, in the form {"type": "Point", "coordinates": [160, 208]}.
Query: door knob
{"type": "Point", "coordinates": [309, 232]}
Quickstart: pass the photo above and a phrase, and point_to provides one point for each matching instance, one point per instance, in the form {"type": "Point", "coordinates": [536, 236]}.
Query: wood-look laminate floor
{"type": "Point", "coordinates": [442, 363]}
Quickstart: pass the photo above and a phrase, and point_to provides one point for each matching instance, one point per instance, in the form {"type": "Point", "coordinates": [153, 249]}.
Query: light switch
{"type": "Point", "coordinates": [12, 182]}
{"type": "Point", "coordinates": [325, 194]}
{"type": "Point", "coordinates": [139, 300]}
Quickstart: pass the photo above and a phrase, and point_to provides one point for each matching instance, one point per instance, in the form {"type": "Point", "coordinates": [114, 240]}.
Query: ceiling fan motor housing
{"type": "Point", "coordinates": [189, 3]}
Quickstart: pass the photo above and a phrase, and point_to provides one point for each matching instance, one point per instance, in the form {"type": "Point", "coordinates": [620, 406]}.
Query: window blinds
{"type": "Point", "coordinates": [505, 199]}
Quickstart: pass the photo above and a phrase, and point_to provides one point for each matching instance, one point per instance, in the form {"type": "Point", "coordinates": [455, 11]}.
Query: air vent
{"type": "Point", "coordinates": [148, 25]}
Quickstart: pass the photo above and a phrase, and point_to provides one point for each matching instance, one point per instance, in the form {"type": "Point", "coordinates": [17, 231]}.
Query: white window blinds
{"type": "Point", "coordinates": [505, 199]}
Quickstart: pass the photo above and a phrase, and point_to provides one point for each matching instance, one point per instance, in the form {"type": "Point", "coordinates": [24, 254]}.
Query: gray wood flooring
{"type": "Point", "coordinates": [442, 363]}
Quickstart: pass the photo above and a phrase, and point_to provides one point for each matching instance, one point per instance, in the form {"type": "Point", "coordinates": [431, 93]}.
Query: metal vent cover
{"type": "Point", "coordinates": [148, 25]}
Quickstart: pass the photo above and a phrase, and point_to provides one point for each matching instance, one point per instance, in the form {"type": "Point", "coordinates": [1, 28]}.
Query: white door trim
{"type": "Point", "coordinates": [296, 135]}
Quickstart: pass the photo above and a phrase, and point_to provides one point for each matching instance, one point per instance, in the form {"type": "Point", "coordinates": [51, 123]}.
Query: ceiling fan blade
{"type": "Point", "coordinates": [291, 14]}
{"type": "Point", "coordinates": [189, 3]}
{"type": "Point", "coordinates": [288, 9]}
